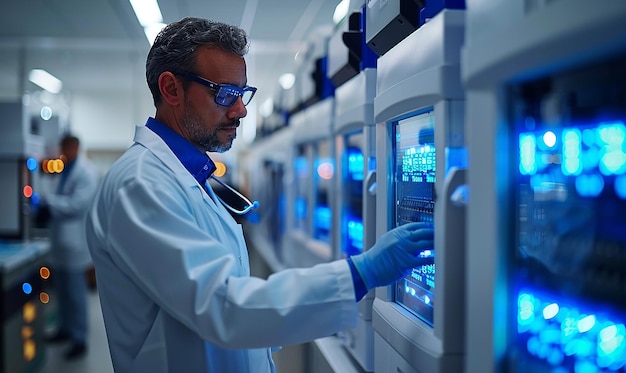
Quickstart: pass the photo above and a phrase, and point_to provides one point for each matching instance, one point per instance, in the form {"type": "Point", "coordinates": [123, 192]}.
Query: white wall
{"type": "Point", "coordinates": [106, 121]}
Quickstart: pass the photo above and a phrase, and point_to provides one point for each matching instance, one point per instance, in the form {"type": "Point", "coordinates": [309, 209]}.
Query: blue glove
{"type": "Point", "coordinates": [394, 254]}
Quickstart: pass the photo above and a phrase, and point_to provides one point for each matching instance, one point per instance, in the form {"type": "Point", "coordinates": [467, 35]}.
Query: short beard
{"type": "Point", "coordinates": [206, 138]}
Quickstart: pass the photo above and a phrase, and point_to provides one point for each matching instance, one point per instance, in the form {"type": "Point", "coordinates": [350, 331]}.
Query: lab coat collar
{"type": "Point", "coordinates": [155, 144]}
{"type": "Point", "coordinates": [196, 162]}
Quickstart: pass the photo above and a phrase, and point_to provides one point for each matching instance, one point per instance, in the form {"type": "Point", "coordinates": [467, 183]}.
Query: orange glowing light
{"type": "Point", "coordinates": [27, 332]}
{"type": "Point", "coordinates": [50, 166]}
{"type": "Point", "coordinates": [59, 165]}
{"type": "Point", "coordinates": [29, 312]}
{"type": "Point", "coordinates": [28, 191]}
{"type": "Point", "coordinates": [44, 297]}
{"type": "Point", "coordinates": [220, 169]}
{"type": "Point", "coordinates": [30, 350]}
{"type": "Point", "coordinates": [44, 272]}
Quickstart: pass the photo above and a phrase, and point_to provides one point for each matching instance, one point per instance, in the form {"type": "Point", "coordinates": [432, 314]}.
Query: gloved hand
{"type": "Point", "coordinates": [394, 254]}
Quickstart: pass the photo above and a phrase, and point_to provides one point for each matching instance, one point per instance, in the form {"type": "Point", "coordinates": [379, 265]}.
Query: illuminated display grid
{"type": "Point", "coordinates": [572, 219]}
{"type": "Point", "coordinates": [414, 193]}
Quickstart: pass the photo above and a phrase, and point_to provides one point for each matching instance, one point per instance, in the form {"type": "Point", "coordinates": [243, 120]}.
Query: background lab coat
{"type": "Point", "coordinates": [68, 208]}
{"type": "Point", "coordinates": [166, 254]}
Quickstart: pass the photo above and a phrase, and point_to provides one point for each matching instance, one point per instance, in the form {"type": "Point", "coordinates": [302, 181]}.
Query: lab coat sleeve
{"type": "Point", "coordinates": [190, 274]}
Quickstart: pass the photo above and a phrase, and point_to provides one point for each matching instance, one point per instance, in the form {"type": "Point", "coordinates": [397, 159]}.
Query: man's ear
{"type": "Point", "coordinates": [171, 88]}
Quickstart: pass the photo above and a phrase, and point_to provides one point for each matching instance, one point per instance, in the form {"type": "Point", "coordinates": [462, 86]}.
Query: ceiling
{"type": "Point", "coordinates": [98, 45]}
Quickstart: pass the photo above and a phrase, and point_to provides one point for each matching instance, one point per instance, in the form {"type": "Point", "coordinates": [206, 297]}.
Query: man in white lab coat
{"type": "Point", "coordinates": [69, 255]}
{"type": "Point", "coordinates": [171, 263]}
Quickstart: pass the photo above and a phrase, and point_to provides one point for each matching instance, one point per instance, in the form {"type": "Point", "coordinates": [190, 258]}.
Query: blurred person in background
{"type": "Point", "coordinates": [69, 254]}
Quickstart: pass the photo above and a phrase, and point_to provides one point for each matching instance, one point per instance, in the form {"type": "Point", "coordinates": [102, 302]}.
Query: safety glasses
{"type": "Point", "coordinates": [225, 94]}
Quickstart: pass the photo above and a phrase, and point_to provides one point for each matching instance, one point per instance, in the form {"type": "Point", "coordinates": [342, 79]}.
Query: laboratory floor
{"type": "Point", "coordinates": [97, 359]}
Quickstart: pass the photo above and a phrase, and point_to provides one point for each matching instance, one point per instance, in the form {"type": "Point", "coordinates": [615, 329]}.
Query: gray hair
{"type": "Point", "coordinates": [175, 46]}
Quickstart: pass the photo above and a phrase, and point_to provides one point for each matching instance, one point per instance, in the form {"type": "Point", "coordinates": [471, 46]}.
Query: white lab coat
{"type": "Point", "coordinates": [68, 208]}
{"type": "Point", "coordinates": [167, 255]}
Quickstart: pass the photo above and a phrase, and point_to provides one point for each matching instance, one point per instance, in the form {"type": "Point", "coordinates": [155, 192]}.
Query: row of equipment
{"type": "Point", "coordinates": [504, 127]}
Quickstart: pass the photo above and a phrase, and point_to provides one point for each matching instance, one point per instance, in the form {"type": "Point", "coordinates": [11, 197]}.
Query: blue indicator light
{"type": "Point", "coordinates": [589, 185]}
{"type": "Point", "coordinates": [533, 345]}
{"type": "Point", "coordinates": [620, 186]}
{"type": "Point", "coordinates": [549, 139]}
{"type": "Point", "coordinates": [612, 161]}
{"type": "Point", "coordinates": [570, 347]}
{"type": "Point", "coordinates": [570, 339]}
{"type": "Point", "coordinates": [31, 164]}
{"type": "Point", "coordinates": [608, 333]}
{"type": "Point", "coordinates": [356, 164]}
{"type": "Point", "coordinates": [27, 288]}
{"type": "Point", "coordinates": [584, 366]}
{"type": "Point", "coordinates": [569, 327]}
{"type": "Point", "coordinates": [612, 134]}
{"type": "Point", "coordinates": [527, 150]}
{"type": "Point", "coordinates": [355, 234]}
{"type": "Point", "coordinates": [572, 150]}
{"type": "Point", "coordinates": [35, 198]}
{"type": "Point", "coordinates": [549, 336]}
{"type": "Point", "coordinates": [536, 181]}
{"type": "Point", "coordinates": [592, 154]}
{"type": "Point", "coordinates": [610, 339]}
{"type": "Point", "coordinates": [426, 254]}
{"type": "Point", "coordinates": [323, 217]}
{"type": "Point", "coordinates": [550, 311]}
{"type": "Point", "coordinates": [585, 348]}
{"type": "Point", "coordinates": [586, 323]}
{"type": "Point", "coordinates": [610, 138]}
{"type": "Point", "coordinates": [526, 310]}
{"type": "Point", "coordinates": [589, 137]}
{"type": "Point", "coordinates": [555, 357]}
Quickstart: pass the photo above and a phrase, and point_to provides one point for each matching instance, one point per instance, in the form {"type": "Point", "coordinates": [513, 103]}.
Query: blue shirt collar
{"type": "Point", "coordinates": [197, 163]}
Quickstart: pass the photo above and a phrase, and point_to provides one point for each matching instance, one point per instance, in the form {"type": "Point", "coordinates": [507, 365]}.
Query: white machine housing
{"type": "Point", "coordinates": [311, 126]}
{"type": "Point", "coordinates": [273, 151]}
{"type": "Point", "coordinates": [354, 113]}
{"type": "Point", "coordinates": [423, 71]}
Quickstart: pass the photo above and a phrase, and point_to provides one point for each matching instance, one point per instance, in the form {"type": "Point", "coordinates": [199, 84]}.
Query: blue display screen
{"type": "Point", "coordinates": [568, 172]}
{"type": "Point", "coordinates": [571, 236]}
{"type": "Point", "coordinates": [414, 181]}
{"type": "Point", "coordinates": [324, 172]}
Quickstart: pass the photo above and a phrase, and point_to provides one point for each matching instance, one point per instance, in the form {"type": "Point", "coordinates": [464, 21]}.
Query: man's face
{"type": "Point", "coordinates": [212, 126]}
